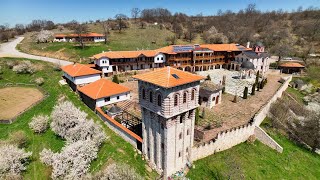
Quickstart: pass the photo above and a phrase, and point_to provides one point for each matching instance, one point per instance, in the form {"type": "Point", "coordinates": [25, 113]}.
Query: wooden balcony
{"type": "Point", "coordinates": [179, 59]}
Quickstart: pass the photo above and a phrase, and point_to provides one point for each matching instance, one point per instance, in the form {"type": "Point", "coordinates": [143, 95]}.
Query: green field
{"type": "Point", "coordinates": [257, 161]}
{"type": "Point", "coordinates": [132, 38]}
{"type": "Point", "coordinates": [114, 150]}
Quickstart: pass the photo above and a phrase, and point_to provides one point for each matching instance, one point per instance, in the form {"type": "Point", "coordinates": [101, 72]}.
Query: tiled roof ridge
{"type": "Point", "coordinates": [100, 89]}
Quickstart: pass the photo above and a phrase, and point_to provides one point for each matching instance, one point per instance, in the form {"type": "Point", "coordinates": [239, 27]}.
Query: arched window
{"type": "Point", "coordinates": [184, 97]}
{"type": "Point", "coordinates": [176, 99]}
{"type": "Point", "coordinates": [159, 100]}
{"type": "Point", "coordinates": [151, 96]}
{"type": "Point", "coordinates": [143, 94]}
{"type": "Point", "coordinates": [214, 98]}
{"type": "Point", "coordinates": [193, 94]}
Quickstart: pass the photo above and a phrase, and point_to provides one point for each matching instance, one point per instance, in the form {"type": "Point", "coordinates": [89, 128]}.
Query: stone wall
{"type": "Point", "coordinates": [234, 136]}
{"type": "Point", "coordinates": [262, 136]}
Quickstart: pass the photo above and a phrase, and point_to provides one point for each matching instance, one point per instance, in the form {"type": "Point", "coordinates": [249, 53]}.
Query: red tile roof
{"type": "Point", "coordinates": [126, 54]}
{"type": "Point", "coordinates": [103, 88]}
{"type": "Point", "coordinates": [76, 70]}
{"type": "Point", "coordinates": [165, 77]}
{"type": "Point", "coordinates": [292, 64]}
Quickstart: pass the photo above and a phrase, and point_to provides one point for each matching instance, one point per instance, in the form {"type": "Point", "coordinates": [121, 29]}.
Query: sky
{"type": "Point", "coordinates": [60, 11]}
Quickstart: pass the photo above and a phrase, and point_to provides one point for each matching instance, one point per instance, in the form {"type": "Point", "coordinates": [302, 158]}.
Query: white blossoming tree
{"type": "Point", "coordinates": [73, 161]}
{"type": "Point", "coordinates": [12, 160]}
{"type": "Point", "coordinates": [24, 67]}
{"type": "Point", "coordinates": [70, 123]}
{"type": "Point", "coordinates": [44, 36]}
{"type": "Point", "coordinates": [39, 123]}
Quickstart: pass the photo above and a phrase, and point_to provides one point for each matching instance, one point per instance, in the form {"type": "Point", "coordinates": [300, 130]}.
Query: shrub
{"type": "Point", "coordinates": [24, 67]}
{"type": "Point", "coordinates": [115, 79]}
{"type": "Point", "coordinates": [12, 159]}
{"type": "Point", "coordinates": [39, 81]}
{"type": "Point", "coordinates": [118, 172]}
{"type": "Point", "coordinates": [208, 78]}
{"type": "Point", "coordinates": [10, 64]}
{"type": "Point", "coordinates": [251, 139]}
{"type": "Point", "coordinates": [245, 93]}
{"type": "Point", "coordinates": [257, 77]}
{"type": "Point", "coordinates": [253, 90]}
{"type": "Point", "coordinates": [73, 161]}
{"type": "Point", "coordinates": [39, 123]}
{"type": "Point", "coordinates": [197, 116]}
{"type": "Point", "coordinates": [18, 138]}
{"type": "Point", "coordinates": [1, 70]}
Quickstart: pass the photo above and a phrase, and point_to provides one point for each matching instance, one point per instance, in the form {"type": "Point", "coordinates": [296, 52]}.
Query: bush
{"type": "Point", "coordinates": [18, 138]}
{"type": "Point", "coordinates": [73, 161]}
{"type": "Point", "coordinates": [115, 79]}
{"type": "Point", "coordinates": [24, 67]}
{"type": "Point", "coordinates": [197, 116]}
{"type": "Point", "coordinates": [10, 64]}
{"type": "Point", "coordinates": [12, 159]}
{"type": "Point", "coordinates": [245, 93]}
{"type": "Point", "coordinates": [251, 139]}
{"type": "Point", "coordinates": [39, 81]}
{"type": "Point", "coordinates": [1, 70]}
{"type": "Point", "coordinates": [39, 123]}
{"type": "Point", "coordinates": [208, 78]}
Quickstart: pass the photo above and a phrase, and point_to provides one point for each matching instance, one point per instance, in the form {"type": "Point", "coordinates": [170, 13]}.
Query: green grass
{"type": "Point", "coordinates": [296, 94]}
{"type": "Point", "coordinates": [115, 149]}
{"type": "Point", "coordinates": [257, 161]}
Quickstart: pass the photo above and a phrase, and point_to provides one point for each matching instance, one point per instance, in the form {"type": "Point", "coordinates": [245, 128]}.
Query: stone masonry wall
{"type": "Point", "coordinates": [230, 138]}
{"type": "Point", "coordinates": [262, 136]}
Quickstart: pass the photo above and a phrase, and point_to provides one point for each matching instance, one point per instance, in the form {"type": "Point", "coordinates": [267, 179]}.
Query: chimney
{"type": "Point", "coordinates": [248, 44]}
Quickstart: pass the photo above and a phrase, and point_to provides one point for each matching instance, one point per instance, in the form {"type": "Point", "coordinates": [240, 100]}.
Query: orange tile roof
{"type": "Point", "coordinates": [76, 70]}
{"type": "Point", "coordinates": [291, 64]}
{"type": "Point", "coordinates": [132, 134]}
{"type": "Point", "coordinates": [126, 54]}
{"type": "Point", "coordinates": [76, 35]}
{"type": "Point", "coordinates": [103, 88]}
{"type": "Point", "coordinates": [224, 47]}
{"type": "Point", "coordinates": [164, 77]}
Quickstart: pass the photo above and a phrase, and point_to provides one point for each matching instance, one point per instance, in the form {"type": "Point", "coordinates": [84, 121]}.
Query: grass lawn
{"type": "Point", "coordinates": [296, 94]}
{"type": "Point", "coordinates": [114, 150]}
{"type": "Point", "coordinates": [257, 161]}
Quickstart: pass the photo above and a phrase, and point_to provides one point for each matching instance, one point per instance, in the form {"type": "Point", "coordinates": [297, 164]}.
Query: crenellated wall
{"type": "Point", "coordinates": [229, 138]}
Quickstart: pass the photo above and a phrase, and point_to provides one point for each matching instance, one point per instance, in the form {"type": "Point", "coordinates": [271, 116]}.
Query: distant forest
{"type": "Point", "coordinates": [295, 33]}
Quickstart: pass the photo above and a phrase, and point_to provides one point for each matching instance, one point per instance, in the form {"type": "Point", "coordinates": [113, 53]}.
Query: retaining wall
{"type": "Point", "coordinates": [234, 136]}
{"type": "Point", "coordinates": [262, 136]}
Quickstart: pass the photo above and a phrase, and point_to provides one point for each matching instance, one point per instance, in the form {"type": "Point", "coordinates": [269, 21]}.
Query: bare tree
{"type": "Point", "coordinates": [190, 33]}
{"type": "Point", "coordinates": [105, 27]}
{"type": "Point", "coordinates": [121, 18]}
{"type": "Point", "coordinates": [135, 13]}
{"type": "Point", "coordinates": [80, 29]}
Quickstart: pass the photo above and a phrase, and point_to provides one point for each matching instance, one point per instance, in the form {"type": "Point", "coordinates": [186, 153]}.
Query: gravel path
{"type": "Point", "coordinates": [9, 50]}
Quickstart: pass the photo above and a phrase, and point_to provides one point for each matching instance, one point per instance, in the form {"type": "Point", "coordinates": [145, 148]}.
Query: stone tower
{"type": "Point", "coordinates": [168, 98]}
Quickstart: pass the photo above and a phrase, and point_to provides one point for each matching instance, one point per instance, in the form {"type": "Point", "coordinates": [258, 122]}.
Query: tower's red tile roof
{"type": "Point", "coordinates": [103, 88]}
{"type": "Point", "coordinates": [292, 64]}
{"type": "Point", "coordinates": [76, 70]}
{"type": "Point", "coordinates": [168, 77]}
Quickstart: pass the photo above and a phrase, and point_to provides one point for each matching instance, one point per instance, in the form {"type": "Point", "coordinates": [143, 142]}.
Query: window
{"type": "Point", "coordinates": [159, 100]}
{"type": "Point", "coordinates": [176, 98]}
{"type": "Point", "coordinates": [180, 136]}
{"type": "Point", "coordinates": [185, 97]}
{"type": "Point", "coordinates": [151, 96]}
{"type": "Point", "coordinates": [187, 131]}
{"type": "Point", "coordinates": [162, 145]}
{"type": "Point", "coordinates": [214, 98]}
{"type": "Point", "coordinates": [118, 97]}
{"type": "Point", "coordinates": [161, 58]}
{"type": "Point", "coordinates": [179, 154]}
{"type": "Point", "coordinates": [181, 118]}
{"type": "Point", "coordinates": [193, 95]}
{"type": "Point", "coordinates": [162, 127]}
{"type": "Point", "coordinates": [158, 58]}
{"type": "Point", "coordinates": [187, 150]}
{"type": "Point", "coordinates": [107, 99]}
{"type": "Point", "coordinates": [143, 94]}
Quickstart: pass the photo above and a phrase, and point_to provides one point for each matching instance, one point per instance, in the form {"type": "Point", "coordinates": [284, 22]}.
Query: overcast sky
{"type": "Point", "coordinates": [23, 11]}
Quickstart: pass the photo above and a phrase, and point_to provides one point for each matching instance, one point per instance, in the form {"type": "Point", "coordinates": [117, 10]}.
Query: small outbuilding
{"type": "Point", "coordinates": [210, 94]}
{"type": "Point", "coordinates": [79, 75]}
{"type": "Point", "coordinates": [103, 92]}
{"type": "Point", "coordinates": [291, 67]}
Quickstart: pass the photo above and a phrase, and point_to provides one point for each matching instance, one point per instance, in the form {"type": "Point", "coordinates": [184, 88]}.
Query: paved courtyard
{"type": "Point", "coordinates": [233, 84]}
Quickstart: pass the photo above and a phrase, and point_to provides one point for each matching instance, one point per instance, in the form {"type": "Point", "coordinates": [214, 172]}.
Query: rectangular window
{"type": "Point", "coordinates": [107, 99]}
{"type": "Point", "coordinates": [118, 97]}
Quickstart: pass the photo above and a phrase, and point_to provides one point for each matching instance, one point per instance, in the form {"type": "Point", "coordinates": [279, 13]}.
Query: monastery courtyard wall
{"type": "Point", "coordinates": [231, 137]}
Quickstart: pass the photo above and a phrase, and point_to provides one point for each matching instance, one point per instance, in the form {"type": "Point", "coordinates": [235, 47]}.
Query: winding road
{"type": "Point", "coordinates": [9, 50]}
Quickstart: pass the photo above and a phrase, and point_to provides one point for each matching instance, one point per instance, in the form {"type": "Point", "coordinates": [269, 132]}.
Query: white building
{"type": "Point", "coordinates": [168, 99]}
{"type": "Point", "coordinates": [210, 94]}
{"type": "Point", "coordinates": [80, 74]}
{"type": "Point", "coordinates": [120, 61]}
{"type": "Point", "coordinates": [256, 56]}
{"type": "Point", "coordinates": [103, 92]}
{"type": "Point", "coordinates": [90, 37]}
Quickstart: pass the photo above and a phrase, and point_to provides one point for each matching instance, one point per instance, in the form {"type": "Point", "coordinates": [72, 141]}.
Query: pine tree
{"type": "Point", "coordinates": [245, 93]}
{"type": "Point", "coordinates": [253, 90]}
{"type": "Point", "coordinates": [223, 89]}
{"type": "Point", "coordinates": [115, 79]}
{"type": "Point", "coordinates": [258, 86]}
{"type": "Point", "coordinates": [197, 116]}
{"type": "Point", "coordinates": [257, 77]}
